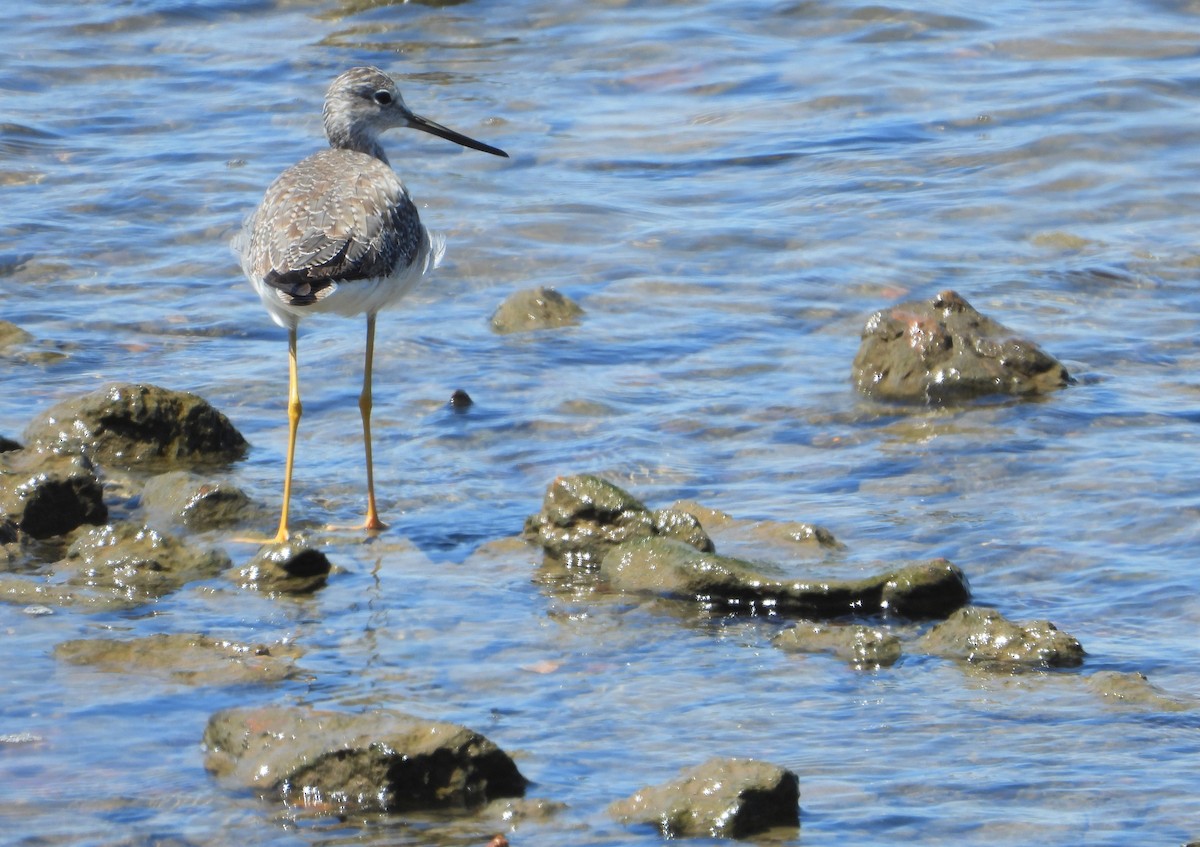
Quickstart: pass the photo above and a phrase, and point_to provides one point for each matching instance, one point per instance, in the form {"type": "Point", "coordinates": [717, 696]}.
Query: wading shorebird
{"type": "Point", "coordinates": [338, 233]}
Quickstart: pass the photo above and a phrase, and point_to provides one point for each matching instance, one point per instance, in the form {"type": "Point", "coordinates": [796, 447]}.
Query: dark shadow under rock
{"type": "Point", "coordinates": [135, 426]}
{"type": "Point", "coordinates": [670, 568]}
{"type": "Point", "coordinates": [293, 567]}
{"type": "Point", "coordinates": [535, 308]}
{"type": "Point", "coordinates": [189, 658]}
{"type": "Point", "coordinates": [46, 495]}
{"type": "Point", "coordinates": [722, 798]}
{"type": "Point", "coordinates": [943, 350]}
{"type": "Point", "coordinates": [583, 516]}
{"type": "Point", "coordinates": [988, 641]}
{"type": "Point", "coordinates": [378, 761]}
{"type": "Point", "coordinates": [862, 647]}
{"type": "Point", "coordinates": [179, 497]}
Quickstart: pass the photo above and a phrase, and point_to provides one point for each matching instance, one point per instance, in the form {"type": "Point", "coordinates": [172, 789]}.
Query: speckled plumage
{"type": "Point", "coordinates": [338, 233]}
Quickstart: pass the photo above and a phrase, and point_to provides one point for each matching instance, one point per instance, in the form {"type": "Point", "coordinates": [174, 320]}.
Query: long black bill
{"type": "Point", "coordinates": [426, 125]}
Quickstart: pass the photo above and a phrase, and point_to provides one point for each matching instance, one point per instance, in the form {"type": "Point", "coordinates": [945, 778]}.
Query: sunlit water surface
{"type": "Point", "coordinates": [728, 189]}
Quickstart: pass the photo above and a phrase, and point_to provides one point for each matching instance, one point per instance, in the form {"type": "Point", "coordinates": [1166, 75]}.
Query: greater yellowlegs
{"type": "Point", "coordinates": [338, 233]}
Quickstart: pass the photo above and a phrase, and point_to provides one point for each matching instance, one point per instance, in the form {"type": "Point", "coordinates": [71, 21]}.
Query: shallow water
{"type": "Point", "coordinates": [729, 190]}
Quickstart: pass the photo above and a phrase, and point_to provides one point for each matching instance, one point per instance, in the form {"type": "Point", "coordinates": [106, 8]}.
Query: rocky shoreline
{"type": "Point", "coordinates": [166, 451]}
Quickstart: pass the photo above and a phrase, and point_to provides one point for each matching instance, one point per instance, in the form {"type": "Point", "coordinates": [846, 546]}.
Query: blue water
{"type": "Point", "coordinates": [729, 190]}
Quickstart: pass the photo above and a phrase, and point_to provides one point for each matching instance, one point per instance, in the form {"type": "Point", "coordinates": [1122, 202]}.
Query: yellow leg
{"type": "Point", "coordinates": [294, 412]}
{"type": "Point", "coordinates": [364, 406]}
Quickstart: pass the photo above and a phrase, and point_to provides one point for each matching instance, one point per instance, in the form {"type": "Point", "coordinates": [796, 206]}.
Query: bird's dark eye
{"type": "Point", "coordinates": [383, 97]}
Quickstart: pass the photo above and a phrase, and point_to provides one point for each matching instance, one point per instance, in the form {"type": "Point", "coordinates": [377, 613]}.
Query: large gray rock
{"type": "Point", "coordinates": [535, 308]}
{"type": "Point", "coordinates": [378, 761]}
{"type": "Point", "coordinates": [128, 426]}
{"type": "Point", "coordinates": [986, 639]}
{"type": "Point", "coordinates": [722, 798]}
{"type": "Point", "coordinates": [583, 516]}
{"type": "Point", "coordinates": [179, 497]}
{"type": "Point", "coordinates": [49, 495]}
{"type": "Point", "coordinates": [945, 350]}
{"type": "Point", "coordinates": [667, 567]}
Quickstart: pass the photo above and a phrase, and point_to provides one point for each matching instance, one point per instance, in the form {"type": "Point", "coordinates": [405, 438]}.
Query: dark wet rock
{"type": "Point", "coordinates": [460, 400]}
{"type": "Point", "coordinates": [583, 516]}
{"type": "Point", "coordinates": [49, 495]}
{"type": "Point", "coordinates": [378, 761]}
{"type": "Point", "coordinates": [128, 563]}
{"type": "Point", "coordinates": [126, 426]}
{"type": "Point", "coordinates": [945, 350]}
{"type": "Point", "coordinates": [179, 497]}
{"type": "Point", "coordinates": [670, 568]}
{"type": "Point", "coordinates": [863, 647]}
{"type": "Point", "coordinates": [722, 798]}
{"type": "Point", "coordinates": [190, 658]}
{"type": "Point", "coordinates": [1134, 689]}
{"type": "Point", "coordinates": [7, 445]}
{"type": "Point", "coordinates": [535, 308]}
{"type": "Point", "coordinates": [293, 567]}
{"type": "Point", "coordinates": [986, 639]}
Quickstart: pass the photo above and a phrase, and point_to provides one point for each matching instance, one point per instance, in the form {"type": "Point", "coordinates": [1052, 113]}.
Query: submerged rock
{"type": "Point", "coordinates": [126, 426]}
{"type": "Point", "coordinates": [293, 567]}
{"type": "Point", "coordinates": [49, 495]}
{"type": "Point", "coordinates": [988, 640]}
{"type": "Point", "coordinates": [583, 516]}
{"type": "Point", "coordinates": [127, 563]}
{"type": "Point", "coordinates": [535, 308]}
{"type": "Point", "coordinates": [945, 350]}
{"type": "Point", "coordinates": [863, 647]}
{"type": "Point", "coordinates": [666, 567]}
{"type": "Point", "coordinates": [179, 497]}
{"type": "Point", "coordinates": [379, 761]}
{"type": "Point", "coordinates": [722, 798]}
{"type": "Point", "coordinates": [1134, 689]}
{"type": "Point", "coordinates": [189, 658]}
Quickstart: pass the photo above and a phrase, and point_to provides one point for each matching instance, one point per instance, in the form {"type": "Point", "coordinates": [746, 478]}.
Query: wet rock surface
{"type": "Point", "coordinates": [862, 647]}
{"type": "Point", "coordinates": [583, 516]}
{"type": "Point", "coordinates": [192, 501]}
{"type": "Point", "coordinates": [378, 761]}
{"type": "Point", "coordinates": [722, 798]}
{"type": "Point", "coordinates": [293, 567]}
{"type": "Point", "coordinates": [943, 349]}
{"type": "Point", "coordinates": [130, 564]}
{"type": "Point", "coordinates": [535, 308]}
{"type": "Point", "coordinates": [1135, 690]}
{"type": "Point", "coordinates": [190, 658]}
{"type": "Point", "coordinates": [667, 567]}
{"type": "Point", "coordinates": [986, 639]}
{"type": "Point", "coordinates": [49, 495]}
{"type": "Point", "coordinates": [128, 425]}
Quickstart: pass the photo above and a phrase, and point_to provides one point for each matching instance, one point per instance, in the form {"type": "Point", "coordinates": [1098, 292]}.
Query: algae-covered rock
{"type": "Point", "coordinates": [49, 495]}
{"type": "Point", "coordinates": [293, 567]}
{"type": "Point", "coordinates": [583, 516]}
{"type": "Point", "coordinates": [189, 658]}
{"type": "Point", "coordinates": [378, 761]}
{"type": "Point", "coordinates": [863, 647]}
{"type": "Point", "coordinates": [127, 563]}
{"type": "Point", "coordinates": [722, 798]}
{"type": "Point", "coordinates": [1135, 690]}
{"type": "Point", "coordinates": [535, 308]}
{"type": "Point", "coordinates": [988, 640]}
{"type": "Point", "coordinates": [670, 568]}
{"type": "Point", "coordinates": [943, 350]}
{"type": "Point", "coordinates": [179, 497]}
{"type": "Point", "coordinates": [127, 426]}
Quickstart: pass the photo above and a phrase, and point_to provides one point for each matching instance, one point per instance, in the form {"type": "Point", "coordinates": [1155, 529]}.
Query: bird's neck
{"type": "Point", "coordinates": [343, 137]}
